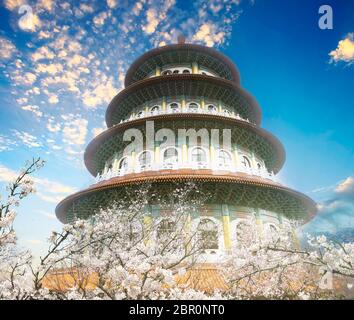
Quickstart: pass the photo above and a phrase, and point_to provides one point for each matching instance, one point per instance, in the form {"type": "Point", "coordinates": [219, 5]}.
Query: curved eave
{"type": "Point", "coordinates": [93, 146]}
{"type": "Point", "coordinates": [168, 85]}
{"type": "Point", "coordinates": [182, 176]}
{"type": "Point", "coordinates": [134, 67]}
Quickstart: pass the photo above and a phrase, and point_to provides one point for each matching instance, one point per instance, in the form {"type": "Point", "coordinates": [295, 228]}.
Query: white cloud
{"type": "Point", "coordinates": [34, 109]}
{"type": "Point", "coordinates": [96, 131]}
{"type": "Point", "coordinates": [74, 130]}
{"type": "Point", "coordinates": [156, 14]}
{"type": "Point", "coordinates": [43, 53]}
{"type": "Point", "coordinates": [27, 78]}
{"type": "Point", "coordinates": [7, 49]}
{"type": "Point", "coordinates": [346, 186]}
{"type": "Point", "coordinates": [27, 139]}
{"type": "Point", "coordinates": [44, 35]}
{"type": "Point", "coordinates": [344, 51]}
{"type": "Point", "coordinates": [47, 5]}
{"type": "Point", "coordinates": [47, 214]}
{"type": "Point", "coordinates": [209, 35]}
{"type": "Point", "coordinates": [112, 3]}
{"type": "Point", "coordinates": [22, 100]}
{"type": "Point", "coordinates": [152, 21]}
{"type": "Point", "coordinates": [6, 144]}
{"type": "Point", "coordinates": [52, 126]}
{"type": "Point", "coordinates": [102, 93]}
{"type": "Point", "coordinates": [13, 4]}
{"type": "Point", "coordinates": [53, 99]}
{"type": "Point", "coordinates": [137, 8]}
{"type": "Point", "coordinates": [100, 19]}
{"type": "Point", "coordinates": [52, 68]}
{"type": "Point", "coordinates": [86, 8]}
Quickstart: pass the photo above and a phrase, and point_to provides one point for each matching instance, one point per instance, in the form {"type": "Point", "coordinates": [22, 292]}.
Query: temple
{"type": "Point", "coordinates": [197, 89]}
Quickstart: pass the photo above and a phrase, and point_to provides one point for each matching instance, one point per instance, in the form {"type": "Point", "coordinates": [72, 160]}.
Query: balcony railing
{"type": "Point", "coordinates": [146, 114]}
{"type": "Point", "coordinates": [111, 173]}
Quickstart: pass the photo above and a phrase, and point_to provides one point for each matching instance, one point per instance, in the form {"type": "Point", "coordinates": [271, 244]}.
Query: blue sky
{"type": "Point", "coordinates": [60, 68]}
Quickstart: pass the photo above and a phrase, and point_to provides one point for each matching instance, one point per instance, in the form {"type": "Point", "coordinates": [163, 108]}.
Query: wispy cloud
{"type": "Point", "coordinates": [74, 60]}
{"type": "Point", "coordinates": [47, 214]}
{"type": "Point", "coordinates": [7, 49]}
{"type": "Point", "coordinates": [337, 210]}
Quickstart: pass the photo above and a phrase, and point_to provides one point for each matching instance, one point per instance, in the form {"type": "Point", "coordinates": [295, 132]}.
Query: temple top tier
{"type": "Point", "coordinates": [185, 58]}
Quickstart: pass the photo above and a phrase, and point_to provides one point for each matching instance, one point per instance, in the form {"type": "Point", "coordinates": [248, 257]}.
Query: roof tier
{"type": "Point", "coordinates": [244, 134]}
{"type": "Point", "coordinates": [193, 85]}
{"type": "Point", "coordinates": [178, 54]}
{"type": "Point", "coordinates": [233, 189]}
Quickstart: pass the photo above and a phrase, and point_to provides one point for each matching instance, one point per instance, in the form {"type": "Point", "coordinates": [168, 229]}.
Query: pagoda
{"type": "Point", "coordinates": [195, 89]}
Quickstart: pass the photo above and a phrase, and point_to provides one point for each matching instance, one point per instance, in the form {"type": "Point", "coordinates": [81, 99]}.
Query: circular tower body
{"type": "Point", "coordinates": [192, 93]}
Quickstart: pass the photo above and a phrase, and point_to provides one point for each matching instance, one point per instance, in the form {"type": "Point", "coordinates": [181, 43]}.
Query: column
{"type": "Point", "coordinates": [183, 103]}
{"type": "Point", "coordinates": [184, 153]}
{"type": "Point", "coordinates": [236, 158]}
{"type": "Point", "coordinates": [202, 103]}
{"type": "Point", "coordinates": [115, 164]}
{"type": "Point", "coordinates": [212, 155]}
{"type": "Point", "coordinates": [226, 226]}
{"type": "Point", "coordinates": [157, 71]}
{"type": "Point", "coordinates": [254, 162]}
{"type": "Point", "coordinates": [164, 104]}
{"type": "Point", "coordinates": [219, 106]}
{"type": "Point", "coordinates": [133, 160]}
{"type": "Point", "coordinates": [280, 219]}
{"type": "Point", "coordinates": [195, 68]}
{"type": "Point", "coordinates": [157, 155]}
{"type": "Point", "coordinates": [259, 222]}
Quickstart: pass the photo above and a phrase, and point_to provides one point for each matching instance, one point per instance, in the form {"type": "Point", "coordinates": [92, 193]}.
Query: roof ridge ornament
{"type": "Point", "coordinates": [181, 39]}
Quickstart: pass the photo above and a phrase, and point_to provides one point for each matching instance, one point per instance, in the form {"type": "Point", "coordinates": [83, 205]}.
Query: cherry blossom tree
{"type": "Point", "coordinates": [14, 263]}
{"type": "Point", "coordinates": [271, 265]}
{"type": "Point", "coordinates": [127, 252]}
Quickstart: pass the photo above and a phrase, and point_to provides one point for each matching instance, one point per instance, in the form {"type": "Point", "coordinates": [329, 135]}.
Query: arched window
{"type": "Point", "coordinates": [145, 159]}
{"type": "Point", "coordinates": [227, 112]}
{"type": "Point", "coordinates": [193, 106]}
{"type": "Point", "coordinates": [165, 228]}
{"type": "Point", "coordinates": [186, 71]}
{"type": "Point", "coordinates": [259, 167]}
{"type": "Point", "coordinates": [244, 233]}
{"type": "Point", "coordinates": [211, 108]}
{"type": "Point", "coordinates": [273, 231]}
{"type": "Point", "coordinates": [170, 156]}
{"type": "Point", "coordinates": [123, 164]}
{"type": "Point", "coordinates": [224, 157]}
{"type": "Point", "coordinates": [208, 234]}
{"type": "Point", "coordinates": [175, 71]}
{"type": "Point", "coordinates": [140, 114]}
{"type": "Point", "coordinates": [166, 72]}
{"type": "Point", "coordinates": [173, 106]}
{"type": "Point", "coordinates": [155, 109]}
{"type": "Point", "coordinates": [246, 162]}
{"type": "Point", "coordinates": [134, 231]}
{"type": "Point", "coordinates": [198, 155]}
{"type": "Point", "coordinates": [273, 228]}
